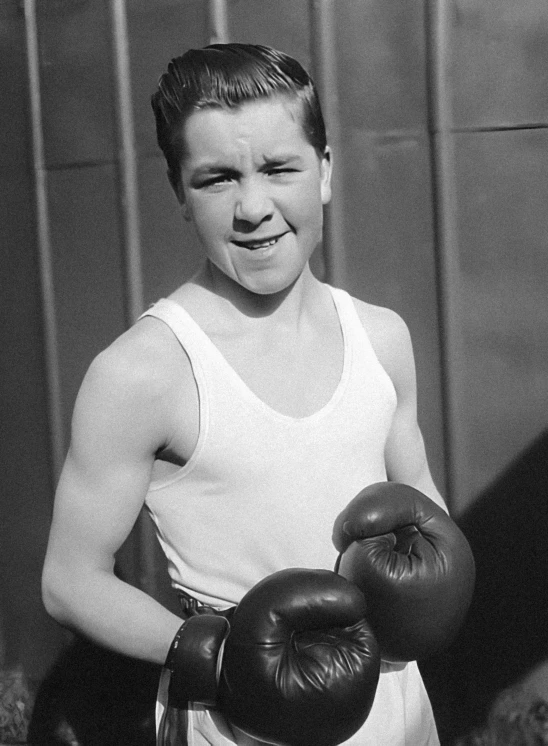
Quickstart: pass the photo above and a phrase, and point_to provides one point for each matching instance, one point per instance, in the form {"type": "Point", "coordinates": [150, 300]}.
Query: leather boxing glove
{"type": "Point", "coordinates": [296, 665]}
{"type": "Point", "coordinates": [413, 564]}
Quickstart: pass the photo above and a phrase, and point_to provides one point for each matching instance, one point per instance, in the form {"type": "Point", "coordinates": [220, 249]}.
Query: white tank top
{"type": "Point", "coordinates": [261, 493]}
{"type": "Point", "coordinates": [262, 489]}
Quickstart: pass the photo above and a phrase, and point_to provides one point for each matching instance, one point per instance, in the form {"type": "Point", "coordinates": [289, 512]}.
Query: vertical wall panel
{"type": "Point", "coordinates": [497, 78]}
{"type": "Point", "coordinates": [283, 25]}
{"type": "Point", "coordinates": [87, 269]}
{"type": "Point", "coordinates": [77, 90]}
{"type": "Point", "coordinates": [382, 70]}
{"type": "Point", "coordinates": [159, 31]}
{"type": "Point", "coordinates": [500, 62]}
{"type": "Point", "coordinates": [28, 638]}
{"type": "Point", "coordinates": [503, 229]}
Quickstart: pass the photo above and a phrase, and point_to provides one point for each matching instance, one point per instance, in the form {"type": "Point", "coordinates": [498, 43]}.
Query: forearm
{"type": "Point", "coordinates": [425, 484]}
{"type": "Point", "coordinates": [110, 612]}
{"type": "Point", "coordinates": [406, 462]}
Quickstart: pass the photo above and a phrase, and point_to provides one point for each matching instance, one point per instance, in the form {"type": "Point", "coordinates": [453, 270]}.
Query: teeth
{"type": "Point", "coordinates": [261, 245]}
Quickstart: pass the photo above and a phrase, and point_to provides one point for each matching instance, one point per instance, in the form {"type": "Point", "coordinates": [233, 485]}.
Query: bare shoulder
{"type": "Point", "coordinates": [143, 360]}
{"type": "Point", "coordinates": [389, 335]}
{"type": "Point", "coordinates": [133, 386]}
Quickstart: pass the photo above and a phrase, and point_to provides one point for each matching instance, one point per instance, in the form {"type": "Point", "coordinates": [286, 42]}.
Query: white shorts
{"type": "Point", "coordinates": [401, 716]}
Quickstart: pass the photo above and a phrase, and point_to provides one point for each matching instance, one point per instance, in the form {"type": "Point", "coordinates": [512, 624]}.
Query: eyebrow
{"type": "Point", "coordinates": [281, 159]}
{"type": "Point", "coordinates": [213, 168]}
{"type": "Point", "coordinates": [220, 167]}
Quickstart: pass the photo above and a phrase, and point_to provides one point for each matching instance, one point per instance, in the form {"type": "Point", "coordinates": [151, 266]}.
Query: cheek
{"type": "Point", "coordinates": [211, 217]}
{"type": "Point", "coordinates": [307, 206]}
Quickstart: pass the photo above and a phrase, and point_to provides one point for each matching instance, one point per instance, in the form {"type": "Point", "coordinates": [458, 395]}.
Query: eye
{"type": "Point", "coordinates": [280, 171]}
{"type": "Point", "coordinates": [215, 181]}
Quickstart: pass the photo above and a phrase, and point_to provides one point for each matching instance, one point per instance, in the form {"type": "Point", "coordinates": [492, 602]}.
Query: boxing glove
{"type": "Point", "coordinates": [413, 564]}
{"type": "Point", "coordinates": [297, 664]}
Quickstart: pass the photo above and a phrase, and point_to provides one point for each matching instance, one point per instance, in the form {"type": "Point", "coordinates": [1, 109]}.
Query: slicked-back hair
{"type": "Point", "coordinates": [226, 76]}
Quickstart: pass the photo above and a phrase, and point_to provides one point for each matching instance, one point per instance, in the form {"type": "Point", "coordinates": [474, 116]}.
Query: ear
{"type": "Point", "coordinates": [177, 187]}
{"type": "Point", "coordinates": [326, 169]}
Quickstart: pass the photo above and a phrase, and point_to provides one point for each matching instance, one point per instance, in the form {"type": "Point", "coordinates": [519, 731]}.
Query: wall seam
{"type": "Point", "coordinates": [440, 117]}
{"type": "Point", "coordinates": [47, 287]}
{"type": "Point", "coordinates": [144, 550]}
{"type": "Point", "coordinates": [324, 66]}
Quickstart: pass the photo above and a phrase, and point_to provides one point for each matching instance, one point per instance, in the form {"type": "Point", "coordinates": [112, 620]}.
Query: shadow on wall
{"type": "Point", "coordinates": [94, 697]}
{"type": "Point", "coordinates": [505, 635]}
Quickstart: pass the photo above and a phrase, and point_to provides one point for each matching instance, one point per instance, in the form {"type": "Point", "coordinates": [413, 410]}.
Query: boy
{"type": "Point", "coordinates": [248, 408]}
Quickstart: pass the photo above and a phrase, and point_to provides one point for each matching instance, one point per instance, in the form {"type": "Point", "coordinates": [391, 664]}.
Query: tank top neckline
{"type": "Point", "coordinates": [249, 395]}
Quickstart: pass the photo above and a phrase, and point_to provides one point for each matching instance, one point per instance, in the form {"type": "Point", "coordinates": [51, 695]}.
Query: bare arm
{"type": "Point", "coordinates": [405, 454]}
{"type": "Point", "coordinates": [117, 428]}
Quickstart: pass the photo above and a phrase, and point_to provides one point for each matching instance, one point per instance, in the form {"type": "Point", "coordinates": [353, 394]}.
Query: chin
{"type": "Point", "coordinates": [269, 287]}
{"type": "Point", "coordinates": [273, 281]}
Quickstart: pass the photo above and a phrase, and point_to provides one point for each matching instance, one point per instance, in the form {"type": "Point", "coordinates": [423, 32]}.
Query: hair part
{"type": "Point", "coordinates": [227, 76]}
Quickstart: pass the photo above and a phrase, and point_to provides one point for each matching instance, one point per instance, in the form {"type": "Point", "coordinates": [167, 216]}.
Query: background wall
{"type": "Point", "coordinates": [438, 114]}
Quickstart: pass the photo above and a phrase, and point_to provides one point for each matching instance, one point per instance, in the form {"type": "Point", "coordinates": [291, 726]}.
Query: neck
{"type": "Point", "coordinates": [288, 303]}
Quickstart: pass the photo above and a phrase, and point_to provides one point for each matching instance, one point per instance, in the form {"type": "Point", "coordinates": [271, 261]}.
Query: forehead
{"type": "Point", "coordinates": [267, 126]}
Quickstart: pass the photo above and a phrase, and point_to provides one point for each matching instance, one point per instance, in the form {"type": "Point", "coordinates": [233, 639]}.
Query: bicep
{"type": "Point", "coordinates": [406, 459]}
{"type": "Point", "coordinates": [404, 450]}
{"type": "Point", "coordinates": [93, 514]}
{"type": "Point", "coordinates": [106, 474]}
{"type": "Point", "coordinates": [405, 454]}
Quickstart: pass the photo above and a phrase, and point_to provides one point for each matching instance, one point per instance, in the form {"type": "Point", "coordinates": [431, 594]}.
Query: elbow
{"type": "Point", "coordinates": [55, 598]}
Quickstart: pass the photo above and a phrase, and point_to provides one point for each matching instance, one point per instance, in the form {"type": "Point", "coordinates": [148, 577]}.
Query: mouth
{"type": "Point", "coordinates": [259, 243]}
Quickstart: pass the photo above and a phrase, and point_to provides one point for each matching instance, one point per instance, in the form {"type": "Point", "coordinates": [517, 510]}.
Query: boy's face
{"type": "Point", "coordinates": [254, 187]}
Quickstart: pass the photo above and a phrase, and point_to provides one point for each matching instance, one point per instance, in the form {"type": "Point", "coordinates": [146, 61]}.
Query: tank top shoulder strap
{"type": "Point", "coordinates": [188, 333]}
{"type": "Point", "coordinates": [349, 318]}
{"type": "Point", "coordinates": [195, 344]}
{"type": "Point", "coordinates": [361, 351]}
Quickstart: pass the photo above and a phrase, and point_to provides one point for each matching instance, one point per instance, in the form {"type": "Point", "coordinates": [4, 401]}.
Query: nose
{"type": "Point", "coordinates": [253, 205]}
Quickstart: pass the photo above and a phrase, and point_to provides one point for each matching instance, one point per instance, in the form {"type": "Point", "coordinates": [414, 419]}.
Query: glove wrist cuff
{"type": "Point", "coordinates": [171, 653]}
{"type": "Point", "coordinates": [195, 659]}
